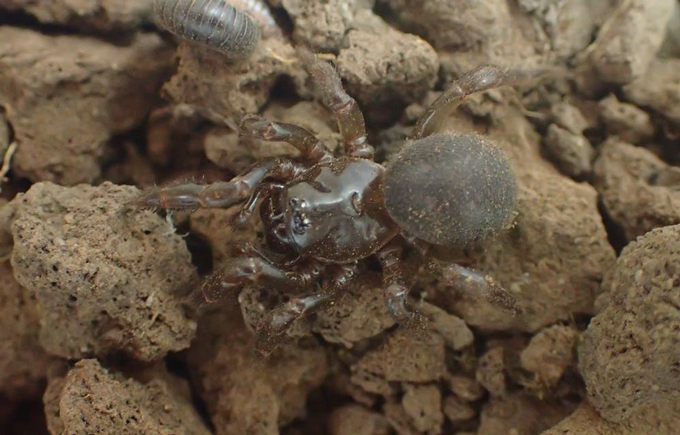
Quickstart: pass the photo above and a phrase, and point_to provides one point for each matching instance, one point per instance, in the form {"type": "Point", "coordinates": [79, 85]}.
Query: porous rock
{"type": "Point", "coordinates": [359, 313]}
{"type": "Point", "coordinates": [423, 405]}
{"type": "Point", "coordinates": [23, 363]}
{"type": "Point", "coordinates": [228, 149]}
{"type": "Point", "coordinates": [466, 388]}
{"type": "Point", "coordinates": [222, 90]}
{"type": "Point", "coordinates": [457, 410]}
{"type": "Point", "coordinates": [452, 329]}
{"type": "Point", "coordinates": [244, 391]}
{"type": "Point", "coordinates": [626, 121]}
{"type": "Point", "coordinates": [383, 66]}
{"type": "Point", "coordinates": [629, 354]}
{"type": "Point", "coordinates": [636, 188]}
{"type": "Point", "coordinates": [66, 96]}
{"type": "Point", "coordinates": [569, 117]}
{"type": "Point", "coordinates": [356, 420]}
{"type": "Point", "coordinates": [491, 371]}
{"type": "Point", "coordinates": [550, 353]}
{"type": "Point", "coordinates": [93, 400]}
{"type": "Point", "coordinates": [629, 40]}
{"type": "Point", "coordinates": [4, 135]}
{"type": "Point", "coordinates": [6, 211]}
{"type": "Point", "coordinates": [658, 89]}
{"type": "Point", "coordinates": [405, 356]}
{"type": "Point", "coordinates": [659, 418]}
{"type": "Point", "coordinates": [571, 152]}
{"type": "Point", "coordinates": [461, 24]}
{"type": "Point", "coordinates": [469, 33]}
{"type": "Point", "coordinates": [215, 227]}
{"type": "Point", "coordinates": [519, 414]}
{"type": "Point", "coordinates": [324, 25]}
{"type": "Point", "coordinates": [106, 277]}
{"type": "Point", "coordinates": [87, 15]}
{"type": "Point", "coordinates": [566, 27]}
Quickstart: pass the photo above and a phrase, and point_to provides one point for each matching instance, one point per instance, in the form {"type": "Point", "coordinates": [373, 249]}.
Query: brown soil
{"type": "Point", "coordinates": [95, 335]}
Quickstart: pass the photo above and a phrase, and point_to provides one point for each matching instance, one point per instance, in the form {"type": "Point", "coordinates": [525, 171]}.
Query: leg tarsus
{"type": "Point", "coordinates": [310, 147]}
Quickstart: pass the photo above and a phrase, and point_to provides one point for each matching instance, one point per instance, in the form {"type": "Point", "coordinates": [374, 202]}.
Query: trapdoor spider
{"type": "Point", "coordinates": [325, 214]}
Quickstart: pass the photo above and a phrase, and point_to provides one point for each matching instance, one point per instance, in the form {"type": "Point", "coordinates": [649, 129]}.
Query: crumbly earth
{"type": "Point", "coordinates": [91, 399]}
{"type": "Point", "coordinates": [100, 332]}
{"type": "Point", "coordinates": [106, 277]}
{"type": "Point", "coordinates": [629, 354]}
{"type": "Point", "coordinates": [85, 89]}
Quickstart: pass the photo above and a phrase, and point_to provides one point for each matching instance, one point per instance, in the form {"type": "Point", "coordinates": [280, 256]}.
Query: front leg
{"type": "Point", "coordinates": [191, 196]}
{"type": "Point", "coordinates": [309, 146]}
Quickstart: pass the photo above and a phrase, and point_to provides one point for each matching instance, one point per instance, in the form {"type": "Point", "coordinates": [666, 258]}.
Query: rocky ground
{"type": "Point", "coordinates": [97, 104]}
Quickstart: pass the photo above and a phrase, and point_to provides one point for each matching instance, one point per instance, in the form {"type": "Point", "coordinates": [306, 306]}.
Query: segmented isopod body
{"type": "Point", "coordinates": [260, 12]}
{"type": "Point", "coordinates": [216, 24]}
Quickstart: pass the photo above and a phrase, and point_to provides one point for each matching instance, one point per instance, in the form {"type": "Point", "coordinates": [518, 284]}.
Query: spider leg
{"type": "Point", "coordinates": [477, 286]}
{"type": "Point", "coordinates": [233, 274]}
{"type": "Point", "coordinates": [260, 192]}
{"type": "Point", "coordinates": [310, 147]}
{"type": "Point", "coordinates": [222, 194]}
{"type": "Point", "coordinates": [345, 108]}
{"type": "Point", "coordinates": [396, 291]}
{"type": "Point", "coordinates": [481, 79]}
{"type": "Point", "coordinates": [280, 318]}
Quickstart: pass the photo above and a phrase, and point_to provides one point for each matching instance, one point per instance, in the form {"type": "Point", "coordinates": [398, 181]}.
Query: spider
{"type": "Point", "coordinates": [323, 214]}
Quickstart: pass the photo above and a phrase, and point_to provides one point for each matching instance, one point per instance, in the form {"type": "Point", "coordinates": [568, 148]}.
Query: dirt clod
{"type": "Point", "coordinates": [629, 352]}
{"type": "Point", "coordinates": [93, 400]}
{"type": "Point", "coordinates": [491, 372]}
{"type": "Point", "coordinates": [356, 420]}
{"type": "Point", "coordinates": [521, 415]}
{"type": "Point", "coordinates": [66, 96]}
{"type": "Point", "coordinates": [223, 91]}
{"type": "Point", "coordinates": [550, 353]}
{"type": "Point", "coordinates": [626, 121]}
{"type": "Point", "coordinates": [572, 153]}
{"type": "Point", "coordinates": [23, 363]}
{"type": "Point", "coordinates": [105, 278]}
{"type": "Point", "coordinates": [402, 359]}
{"type": "Point", "coordinates": [378, 74]}
{"type": "Point", "coordinates": [87, 15]}
{"type": "Point", "coordinates": [244, 392]}
{"type": "Point", "coordinates": [658, 89]}
{"type": "Point", "coordinates": [629, 40]}
{"type": "Point", "coordinates": [323, 25]}
{"type": "Point", "coordinates": [636, 188]}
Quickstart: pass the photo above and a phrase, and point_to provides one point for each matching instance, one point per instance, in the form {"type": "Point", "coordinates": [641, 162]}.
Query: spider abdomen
{"type": "Point", "coordinates": [451, 189]}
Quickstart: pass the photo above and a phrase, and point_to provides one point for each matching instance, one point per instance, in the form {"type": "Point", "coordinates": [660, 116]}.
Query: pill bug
{"type": "Point", "coordinates": [216, 24]}
{"type": "Point", "coordinates": [260, 12]}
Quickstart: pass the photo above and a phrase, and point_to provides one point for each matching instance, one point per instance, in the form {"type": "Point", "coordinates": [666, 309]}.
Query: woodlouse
{"type": "Point", "coordinates": [216, 24]}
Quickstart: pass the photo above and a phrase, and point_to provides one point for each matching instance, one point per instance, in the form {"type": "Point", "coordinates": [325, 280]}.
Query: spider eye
{"type": "Point", "coordinates": [300, 223]}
